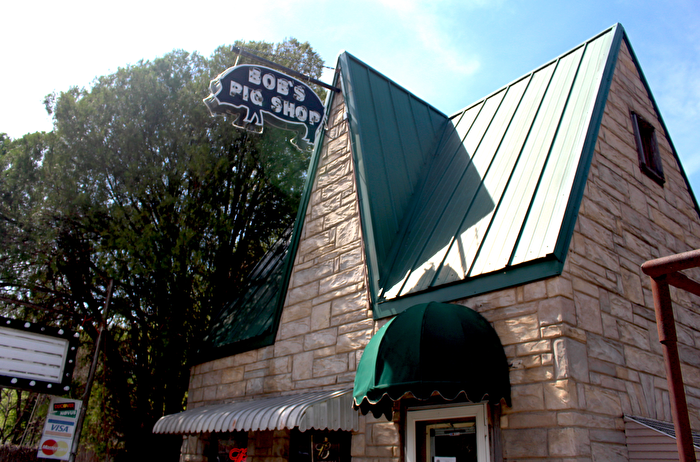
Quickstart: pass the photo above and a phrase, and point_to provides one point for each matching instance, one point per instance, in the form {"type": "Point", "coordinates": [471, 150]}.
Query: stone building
{"type": "Point", "coordinates": [533, 209]}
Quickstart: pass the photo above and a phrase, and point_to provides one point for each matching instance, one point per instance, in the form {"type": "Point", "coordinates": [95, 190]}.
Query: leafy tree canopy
{"type": "Point", "coordinates": [137, 182]}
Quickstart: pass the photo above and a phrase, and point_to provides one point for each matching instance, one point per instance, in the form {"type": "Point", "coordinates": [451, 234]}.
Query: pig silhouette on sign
{"type": "Point", "coordinates": [257, 94]}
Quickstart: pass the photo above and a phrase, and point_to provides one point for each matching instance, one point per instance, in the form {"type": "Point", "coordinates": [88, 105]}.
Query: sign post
{"type": "Point", "coordinates": [91, 375]}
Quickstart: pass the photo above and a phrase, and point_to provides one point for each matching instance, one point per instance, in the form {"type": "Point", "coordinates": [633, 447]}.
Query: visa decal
{"type": "Point", "coordinates": [62, 428]}
{"type": "Point", "coordinates": [255, 95]}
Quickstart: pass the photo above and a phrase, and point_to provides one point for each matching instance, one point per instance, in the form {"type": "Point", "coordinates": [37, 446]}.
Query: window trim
{"type": "Point", "coordinates": [649, 162]}
{"type": "Point", "coordinates": [418, 414]}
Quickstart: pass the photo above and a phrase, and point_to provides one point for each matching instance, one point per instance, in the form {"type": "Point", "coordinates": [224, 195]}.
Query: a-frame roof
{"type": "Point", "coordinates": [452, 207]}
{"type": "Point", "coordinates": [496, 202]}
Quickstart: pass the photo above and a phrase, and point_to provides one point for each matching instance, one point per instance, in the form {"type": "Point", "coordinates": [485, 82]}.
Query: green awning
{"type": "Point", "coordinates": [432, 349]}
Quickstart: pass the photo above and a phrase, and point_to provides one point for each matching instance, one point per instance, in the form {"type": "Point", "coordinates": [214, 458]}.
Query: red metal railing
{"type": "Point", "coordinates": [663, 272]}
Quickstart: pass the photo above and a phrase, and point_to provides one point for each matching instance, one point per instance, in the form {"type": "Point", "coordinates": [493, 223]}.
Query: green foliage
{"type": "Point", "coordinates": [13, 405]}
{"type": "Point", "coordinates": [21, 416]}
{"type": "Point", "coordinates": [137, 182]}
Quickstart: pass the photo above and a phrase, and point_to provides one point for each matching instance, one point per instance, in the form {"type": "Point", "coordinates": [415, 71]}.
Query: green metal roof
{"type": "Point", "coordinates": [251, 319]}
{"type": "Point", "coordinates": [500, 189]}
{"type": "Point", "coordinates": [394, 135]}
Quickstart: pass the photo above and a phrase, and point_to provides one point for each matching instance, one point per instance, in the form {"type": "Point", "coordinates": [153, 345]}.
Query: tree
{"type": "Point", "coordinates": [15, 412]}
{"type": "Point", "coordinates": [137, 182]}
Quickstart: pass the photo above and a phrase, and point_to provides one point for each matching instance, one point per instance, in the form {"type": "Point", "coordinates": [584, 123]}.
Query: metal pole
{"type": "Point", "coordinates": [672, 263]}
{"type": "Point", "coordinates": [31, 417]}
{"type": "Point", "coordinates": [91, 375]}
{"type": "Point", "coordinates": [667, 336]}
{"type": "Point", "coordinates": [284, 69]}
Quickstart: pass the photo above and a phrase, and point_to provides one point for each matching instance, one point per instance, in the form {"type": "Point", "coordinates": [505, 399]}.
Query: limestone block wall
{"type": "Point", "coordinates": [584, 346]}
{"type": "Point", "coordinates": [326, 320]}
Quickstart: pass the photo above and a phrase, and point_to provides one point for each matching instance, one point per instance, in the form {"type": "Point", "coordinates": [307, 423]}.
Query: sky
{"type": "Point", "coordinates": [449, 53]}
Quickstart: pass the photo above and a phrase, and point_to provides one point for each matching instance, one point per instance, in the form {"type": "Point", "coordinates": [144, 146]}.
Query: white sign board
{"type": "Point", "coordinates": [32, 356]}
{"type": "Point", "coordinates": [57, 437]}
{"type": "Point", "coordinates": [36, 357]}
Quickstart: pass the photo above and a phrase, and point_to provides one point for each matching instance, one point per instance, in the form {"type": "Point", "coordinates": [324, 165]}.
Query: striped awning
{"type": "Point", "coordinates": [331, 410]}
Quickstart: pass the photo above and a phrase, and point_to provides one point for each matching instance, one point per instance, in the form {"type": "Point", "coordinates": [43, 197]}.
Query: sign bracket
{"type": "Point", "coordinates": [284, 69]}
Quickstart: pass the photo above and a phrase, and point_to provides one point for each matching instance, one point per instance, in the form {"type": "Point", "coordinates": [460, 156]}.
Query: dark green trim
{"type": "Point", "coordinates": [553, 264]}
{"type": "Point", "coordinates": [503, 279]}
{"type": "Point", "coordinates": [235, 348]}
{"type": "Point", "coordinates": [367, 146]}
{"type": "Point", "coordinates": [578, 188]}
{"type": "Point", "coordinates": [355, 134]}
{"type": "Point", "coordinates": [661, 119]}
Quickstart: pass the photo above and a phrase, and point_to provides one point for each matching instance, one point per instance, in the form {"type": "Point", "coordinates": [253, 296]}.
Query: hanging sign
{"type": "Point", "coordinates": [57, 437]}
{"type": "Point", "coordinates": [257, 95]}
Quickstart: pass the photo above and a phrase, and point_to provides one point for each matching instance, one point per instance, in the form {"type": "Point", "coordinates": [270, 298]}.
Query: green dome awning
{"type": "Point", "coordinates": [431, 348]}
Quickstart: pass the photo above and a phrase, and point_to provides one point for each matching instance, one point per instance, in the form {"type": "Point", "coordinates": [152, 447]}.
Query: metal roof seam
{"type": "Point", "coordinates": [318, 409]}
{"type": "Point", "coordinates": [476, 194]}
{"type": "Point", "coordinates": [360, 177]}
{"type": "Point", "coordinates": [547, 158]}
{"type": "Point", "coordinates": [548, 163]}
{"type": "Point", "coordinates": [369, 216]}
{"type": "Point", "coordinates": [414, 210]}
{"type": "Point", "coordinates": [409, 216]}
{"type": "Point", "coordinates": [587, 151]}
{"type": "Point", "coordinates": [419, 254]}
{"type": "Point", "coordinates": [381, 145]}
{"type": "Point", "coordinates": [260, 418]}
{"type": "Point", "coordinates": [400, 136]}
{"type": "Point", "coordinates": [551, 61]}
{"type": "Point", "coordinates": [478, 252]}
{"type": "Point", "coordinates": [579, 125]}
{"type": "Point", "coordinates": [528, 166]}
{"type": "Point", "coordinates": [379, 74]}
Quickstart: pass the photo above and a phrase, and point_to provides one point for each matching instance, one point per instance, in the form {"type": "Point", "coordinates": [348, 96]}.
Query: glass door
{"type": "Point", "coordinates": [457, 434]}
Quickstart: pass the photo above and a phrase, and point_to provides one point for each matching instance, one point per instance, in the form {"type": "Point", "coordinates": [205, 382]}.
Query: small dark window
{"type": "Point", "coordinates": [648, 149]}
{"type": "Point", "coordinates": [229, 447]}
{"type": "Point", "coordinates": [319, 446]}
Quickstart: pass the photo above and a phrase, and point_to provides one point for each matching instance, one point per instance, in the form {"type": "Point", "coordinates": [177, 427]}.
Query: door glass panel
{"type": "Point", "coordinates": [446, 440]}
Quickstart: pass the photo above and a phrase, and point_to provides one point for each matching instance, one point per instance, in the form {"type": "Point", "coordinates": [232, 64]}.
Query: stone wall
{"type": "Point", "coordinates": [584, 346]}
{"type": "Point", "coordinates": [326, 320]}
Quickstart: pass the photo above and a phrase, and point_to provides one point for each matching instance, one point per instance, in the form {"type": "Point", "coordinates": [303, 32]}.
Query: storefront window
{"type": "Point", "coordinates": [450, 434]}
{"type": "Point", "coordinates": [228, 447]}
{"type": "Point", "coordinates": [320, 446]}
